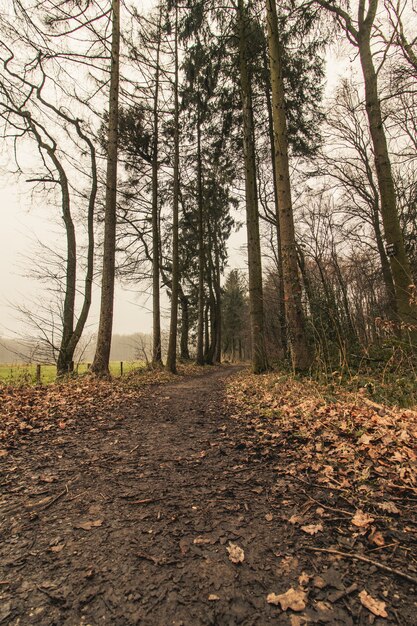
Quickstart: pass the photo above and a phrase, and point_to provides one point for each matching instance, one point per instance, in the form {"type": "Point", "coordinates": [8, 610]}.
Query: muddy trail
{"type": "Point", "coordinates": [145, 519]}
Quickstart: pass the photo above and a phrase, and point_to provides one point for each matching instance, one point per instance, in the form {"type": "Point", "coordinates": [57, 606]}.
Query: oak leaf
{"type": "Point", "coordinates": [312, 529]}
{"type": "Point", "coordinates": [361, 519]}
{"type": "Point", "coordinates": [236, 554]}
{"type": "Point", "coordinates": [377, 607]}
{"type": "Point", "coordinates": [294, 599]}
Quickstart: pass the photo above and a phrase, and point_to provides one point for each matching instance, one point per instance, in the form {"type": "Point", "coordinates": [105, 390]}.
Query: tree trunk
{"type": "Point", "coordinates": [100, 365]}
{"type": "Point", "coordinates": [217, 356]}
{"type": "Point", "coordinates": [385, 267]}
{"type": "Point", "coordinates": [281, 294]}
{"type": "Point", "coordinates": [259, 358]}
{"type": "Point", "coordinates": [156, 306]}
{"type": "Point", "coordinates": [201, 260]}
{"type": "Point", "coordinates": [185, 328]}
{"type": "Point", "coordinates": [300, 350]}
{"type": "Point", "coordinates": [171, 363]}
{"type": "Point", "coordinates": [400, 266]}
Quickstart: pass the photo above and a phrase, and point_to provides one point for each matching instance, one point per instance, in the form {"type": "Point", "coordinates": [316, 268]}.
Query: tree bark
{"type": "Point", "coordinates": [400, 266]}
{"type": "Point", "coordinates": [185, 328]}
{"type": "Point", "coordinates": [281, 294]}
{"type": "Point", "coordinates": [300, 349]}
{"type": "Point", "coordinates": [100, 365]}
{"type": "Point", "coordinates": [171, 363]}
{"type": "Point", "coordinates": [201, 260]}
{"type": "Point", "coordinates": [156, 305]}
{"type": "Point", "coordinates": [259, 357]}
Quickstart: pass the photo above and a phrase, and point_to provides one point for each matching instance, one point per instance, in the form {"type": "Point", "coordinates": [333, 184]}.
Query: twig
{"type": "Point", "coordinates": [145, 501]}
{"type": "Point", "coordinates": [51, 502]}
{"type": "Point", "coordinates": [358, 557]}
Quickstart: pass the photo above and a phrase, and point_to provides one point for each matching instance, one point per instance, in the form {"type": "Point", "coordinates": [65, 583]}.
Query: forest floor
{"type": "Point", "coordinates": [215, 499]}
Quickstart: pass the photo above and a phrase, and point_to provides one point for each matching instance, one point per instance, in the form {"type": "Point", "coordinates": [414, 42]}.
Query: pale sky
{"type": "Point", "coordinates": [23, 220]}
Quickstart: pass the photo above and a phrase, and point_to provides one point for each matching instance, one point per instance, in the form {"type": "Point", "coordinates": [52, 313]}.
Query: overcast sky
{"type": "Point", "coordinates": [23, 220]}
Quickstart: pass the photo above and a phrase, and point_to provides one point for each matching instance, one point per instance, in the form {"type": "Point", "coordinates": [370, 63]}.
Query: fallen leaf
{"type": "Point", "coordinates": [303, 579]}
{"type": "Point", "coordinates": [312, 529]}
{"type": "Point", "coordinates": [269, 517]}
{"type": "Point", "coordinates": [58, 548]}
{"type": "Point", "coordinates": [201, 540]}
{"type": "Point", "coordinates": [319, 582]}
{"type": "Point", "coordinates": [361, 519]}
{"type": "Point", "coordinates": [236, 554]}
{"type": "Point", "coordinates": [388, 507]}
{"type": "Point", "coordinates": [294, 599]}
{"type": "Point", "coordinates": [377, 607]}
{"type": "Point", "coordinates": [294, 519]}
{"type": "Point", "coordinates": [376, 537]}
{"type": "Point", "coordinates": [88, 525]}
{"type": "Point", "coordinates": [212, 597]}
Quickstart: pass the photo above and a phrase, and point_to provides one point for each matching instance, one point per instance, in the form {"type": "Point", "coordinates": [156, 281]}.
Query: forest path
{"type": "Point", "coordinates": [128, 520]}
{"type": "Point", "coordinates": [145, 508]}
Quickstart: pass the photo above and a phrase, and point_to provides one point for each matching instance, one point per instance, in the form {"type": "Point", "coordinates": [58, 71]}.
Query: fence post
{"type": "Point", "coordinates": [121, 368]}
{"type": "Point", "coordinates": [38, 373]}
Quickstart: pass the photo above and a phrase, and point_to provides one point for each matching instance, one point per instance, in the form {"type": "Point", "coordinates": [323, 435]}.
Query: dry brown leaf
{"type": "Point", "coordinates": [312, 529]}
{"type": "Point", "coordinates": [269, 517]}
{"type": "Point", "coordinates": [201, 540]}
{"type": "Point", "coordinates": [88, 525]}
{"type": "Point", "coordinates": [212, 597]}
{"type": "Point", "coordinates": [303, 579]}
{"type": "Point", "coordinates": [294, 599]}
{"type": "Point", "coordinates": [236, 554]}
{"type": "Point", "coordinates": [361, 519]}
{"type": "Point", "coordinates": [377, 607]}
{"type": "Point", "coordinates": [58, 548]}
{"type": "Point", "coordinates": [294, 519]}
{"type": "Point", "coordinates": [377, 537]}
{"type": "Point", "coordinates": [388, 507]}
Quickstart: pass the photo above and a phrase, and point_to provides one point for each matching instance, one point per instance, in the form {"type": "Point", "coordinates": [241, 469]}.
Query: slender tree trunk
{"type": "Point", "coordinates": [100, 365]}
{"type": "Point", "coordinates": [300, 350]}
{"type": "Point", "coordinates": [185, 328]}
{"type": "Point", "coordinates": [156, 305]}
{"type": "Point", "coordinates": [206, 331]}
{"type": "Point", "coordinates": [400, 266]}
{"type": "Point", "coordinates": [89, 275]}
{"type": "Point", "coordinates": [281, 294]}
{"type": "Point", "coordinates": [385, 267]}
{"type": "Point", "coordinates": [201, 260]}
{"type": "Point", "coordinates": [171, 363]}
{"type": "Point", "coordinates": [259, 358]}
{"type": "Point", "coordinates": [217, 356]}
{"type": "Point", "coordinates": [65, 356]}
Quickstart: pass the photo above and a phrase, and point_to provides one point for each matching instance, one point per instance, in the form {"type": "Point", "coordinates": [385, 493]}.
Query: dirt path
{"type": "Point", "coordinates": [128, 521]}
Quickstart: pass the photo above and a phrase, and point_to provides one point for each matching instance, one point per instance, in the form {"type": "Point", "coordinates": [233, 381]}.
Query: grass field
{"type": "Point", "coordinates": [22, 373]}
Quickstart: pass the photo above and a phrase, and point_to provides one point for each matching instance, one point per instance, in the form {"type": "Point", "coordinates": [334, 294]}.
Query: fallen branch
{"type": "Point", "coordinates": [358, 557]}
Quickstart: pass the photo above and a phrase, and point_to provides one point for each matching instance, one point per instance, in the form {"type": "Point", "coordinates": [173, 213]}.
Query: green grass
{"type": "Point", "coordinates": [19, 374]}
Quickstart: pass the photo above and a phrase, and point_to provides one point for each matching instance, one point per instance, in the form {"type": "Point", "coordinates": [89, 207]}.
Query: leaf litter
{"type": "Point", "coordinates": [155, 498]}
